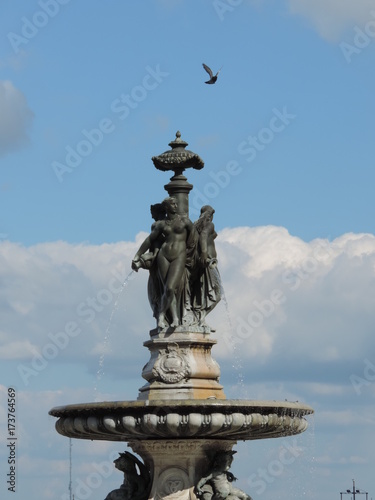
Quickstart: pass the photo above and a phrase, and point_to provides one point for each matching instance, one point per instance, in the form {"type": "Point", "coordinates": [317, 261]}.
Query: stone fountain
{"type": "Point", "coordinates": [181, 425]}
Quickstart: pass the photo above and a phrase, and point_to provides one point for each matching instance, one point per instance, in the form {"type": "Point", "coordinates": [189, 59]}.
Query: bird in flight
{"type": "Point", "coordinates": [213, 77]}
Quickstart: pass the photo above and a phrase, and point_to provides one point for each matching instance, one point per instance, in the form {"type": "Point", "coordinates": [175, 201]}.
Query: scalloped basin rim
{"type": "Point", "coordinates": [253, 406]}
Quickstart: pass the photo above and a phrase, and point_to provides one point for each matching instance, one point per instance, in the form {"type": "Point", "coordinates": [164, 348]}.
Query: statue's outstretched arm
{"type": "Point", "coordinates": [148, 242]}
{"type": "Point", "coordinates": [144, 247]}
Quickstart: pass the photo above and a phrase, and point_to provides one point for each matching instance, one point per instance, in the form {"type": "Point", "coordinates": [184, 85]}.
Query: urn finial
{"type": "Point", "coordinates": [178, 158]}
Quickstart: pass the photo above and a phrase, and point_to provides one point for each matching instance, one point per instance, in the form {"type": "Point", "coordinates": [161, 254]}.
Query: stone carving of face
{"type": "Point", "coordinates": [170, 205]}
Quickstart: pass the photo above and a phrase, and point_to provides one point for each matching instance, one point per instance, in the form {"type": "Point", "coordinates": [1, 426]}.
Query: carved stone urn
{"type": "Point", "coordinates": [181, 425]}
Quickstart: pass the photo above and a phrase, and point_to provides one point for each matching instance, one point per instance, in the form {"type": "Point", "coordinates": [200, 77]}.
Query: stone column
{"type": "Point", "coordinates": [179, 188]}
{"type": "Point", "coordinates": [178, 159]}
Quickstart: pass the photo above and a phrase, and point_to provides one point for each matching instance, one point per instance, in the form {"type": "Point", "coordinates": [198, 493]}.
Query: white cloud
{"type": "Point", "coordinates": [16, 62]}
{"type": "Point", "coordinates": [331, 18]}
{"type": "Point", "coordinates": [326, 293]}
{"type": "Point", "coordinates": [17, 350]}
{"type": "Point", "coordinates": [15, 118]}
{"type": "Point", "coordinates": [326, 389]}
{"type": "Point", "coordinates": [286, 301]}
{"type": "Point", "coordinates": [346, 418]}
{"type": "Point", "coordinates": [352, 459]}
{"type": "Point", "coordinates": [305, 348]}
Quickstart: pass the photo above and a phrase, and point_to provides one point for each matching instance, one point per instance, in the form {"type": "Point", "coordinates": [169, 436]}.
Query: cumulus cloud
{"type": "Point", "coordinates": [296, 322]}
{"type": "Point", "coordinates": [16, 62]}
{"type": "Point", "coordinates": [296, 301]}
{"type": "Point", "coordinates": [17, 350]}
{"type": "Point", "coordinates": [289, 305]}
{"type": "Point", "coordinates": [331, 18]}
{"type": "Point", "coordinates": [15, 118]}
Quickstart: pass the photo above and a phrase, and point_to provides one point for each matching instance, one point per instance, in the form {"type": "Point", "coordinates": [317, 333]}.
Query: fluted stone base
{"type": "Point", "coordinates": [181, 366]}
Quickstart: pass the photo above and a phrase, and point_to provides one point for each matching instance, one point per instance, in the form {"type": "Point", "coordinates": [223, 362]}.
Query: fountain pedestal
{"type": "Point", "coordinates": [178, 439]}
{"type": "Point", "coordinates": [181, 366]}
{"type": "Point", "coordinates": [176, 464]}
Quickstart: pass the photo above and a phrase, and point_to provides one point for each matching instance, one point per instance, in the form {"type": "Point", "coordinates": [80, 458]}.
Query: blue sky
{"type": "Point", "coordinates": [286, 135]}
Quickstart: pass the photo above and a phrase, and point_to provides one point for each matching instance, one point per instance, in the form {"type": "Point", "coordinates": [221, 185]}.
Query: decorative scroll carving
{"type": "Point", "coordinates": [172, 365]}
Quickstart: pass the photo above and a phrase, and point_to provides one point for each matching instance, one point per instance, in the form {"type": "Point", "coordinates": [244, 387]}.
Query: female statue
{"type": "Point", "coordinates": [205, 277]}
{"type": "Point", "coordinates": [154, 286]}
{"type": "Point", "coordinates": [171, 234]}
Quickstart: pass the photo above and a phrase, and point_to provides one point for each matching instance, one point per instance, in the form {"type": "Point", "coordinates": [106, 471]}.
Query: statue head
{"type": "Point", "coordinates": [207, 209]}
{"type": "Point", "coordinates": [223, 460]}
{"type": "Point", "coordinates": [206, 216]}
{"type": "Point", "coordinates": [124, 462]}
{"type": "Point", "coordinates": [169, 205]}
{"type": "Point", "coordinates": [157, 211]}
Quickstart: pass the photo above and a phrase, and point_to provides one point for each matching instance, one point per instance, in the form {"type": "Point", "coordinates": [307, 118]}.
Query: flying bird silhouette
{"type": "Point", "coordinates": [213, 77]}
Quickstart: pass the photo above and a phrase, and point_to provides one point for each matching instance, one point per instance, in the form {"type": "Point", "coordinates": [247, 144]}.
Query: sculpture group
{"type": "Point", "coordinates": [182, 426]}
{"type": "Point", "coordinates": [184, 283]}
{"type": "Point", "coordinates": [217, 484]}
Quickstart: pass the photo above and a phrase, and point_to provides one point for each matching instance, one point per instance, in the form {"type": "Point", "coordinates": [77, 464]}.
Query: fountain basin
{"type": "Point", "coordinates": [182, 419]}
